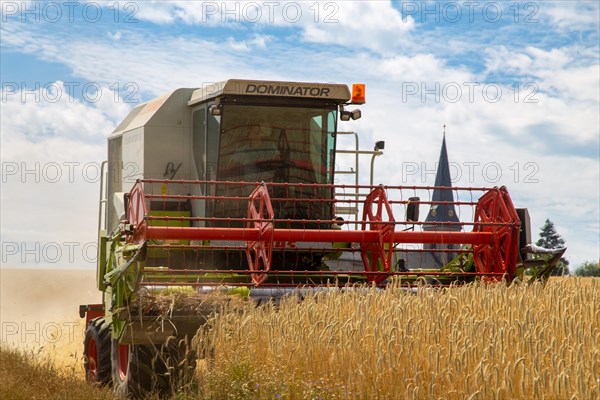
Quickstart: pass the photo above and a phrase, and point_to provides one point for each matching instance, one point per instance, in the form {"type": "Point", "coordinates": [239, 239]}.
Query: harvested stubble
{"type": "Point", "coordinates": [480, 341]}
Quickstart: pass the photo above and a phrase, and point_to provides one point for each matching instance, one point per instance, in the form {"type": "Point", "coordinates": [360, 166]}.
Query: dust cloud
{"type": "Point", "coordinates": [39, 312]}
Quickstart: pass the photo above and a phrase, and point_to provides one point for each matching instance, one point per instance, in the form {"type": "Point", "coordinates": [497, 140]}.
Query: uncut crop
{"type": "Point", "coordinates": [480, 341]}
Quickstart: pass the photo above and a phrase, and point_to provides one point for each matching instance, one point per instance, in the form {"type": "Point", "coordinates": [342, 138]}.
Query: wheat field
{"type": "Point", "coordinates": [480, 341]}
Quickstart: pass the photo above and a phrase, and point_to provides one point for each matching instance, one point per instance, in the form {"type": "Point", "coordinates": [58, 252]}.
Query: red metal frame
{"type": "Point", "coordinates": [92, 311]}
{"type": "Point", "coordinates": [378, 255]}
{"type": "Point", "coordinates": [137, 212]}
{"type": "Point", "coordinates": [494, 237]}
{"type": "Point", "coordinates": [123, 360]}
{"type": "Point", "coordinates": [314, 235]}
{"type": "Point", "coordinates": [496, 214]}
{"type": "Point", "coordinates": [259, 252]}
{"type": "Point", "coordinates": [92, 359]}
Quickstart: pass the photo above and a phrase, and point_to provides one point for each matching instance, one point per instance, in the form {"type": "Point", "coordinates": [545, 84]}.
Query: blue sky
{"type": "Point", "coordinates": [516, 83]}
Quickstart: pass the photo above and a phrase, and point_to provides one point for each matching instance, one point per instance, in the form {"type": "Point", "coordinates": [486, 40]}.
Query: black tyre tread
{"type": "Point", "coordinates": [146, 372]}
{"type": "Point", "coordinates": [100, 330]}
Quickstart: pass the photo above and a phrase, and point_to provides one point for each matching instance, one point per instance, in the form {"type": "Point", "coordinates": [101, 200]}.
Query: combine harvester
{"type": "Point", "coordinates": [231, 190]}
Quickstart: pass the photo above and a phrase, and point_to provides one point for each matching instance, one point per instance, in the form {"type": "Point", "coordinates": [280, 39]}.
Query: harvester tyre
{"type": "Point", "coordinates": [137, 370]}
{"type": "Point", "coordinates": [97, 352]}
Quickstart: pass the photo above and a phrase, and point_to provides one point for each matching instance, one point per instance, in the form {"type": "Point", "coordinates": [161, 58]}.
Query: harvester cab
{"type": "Point", "coordinates": [233, 189]}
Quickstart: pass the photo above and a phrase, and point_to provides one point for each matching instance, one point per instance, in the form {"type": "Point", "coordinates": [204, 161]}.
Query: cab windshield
{"type": "Point", "coordinates": [282, 145]}
{"type": "Point", "coordinates": [276, 144]}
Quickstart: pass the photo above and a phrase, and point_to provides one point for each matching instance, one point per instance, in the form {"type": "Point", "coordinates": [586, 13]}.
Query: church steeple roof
{"type": "Point", "coordinates": [442, 212]}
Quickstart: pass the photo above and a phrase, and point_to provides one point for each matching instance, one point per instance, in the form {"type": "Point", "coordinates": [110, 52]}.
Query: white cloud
{"type": "Point", "coordinates": [371, 25]}
{"type": "Point", "coordinates": [49, 195]}
{"type": "Point", "coordinates": [558, 81]}
{"type": "Point", "coordinates": [158, 12]}
{"type": "Point", "coordinates": [115, 36]}
{"type": "Point", "coordinates": [571, 15]}
{"type": "Point", "coordinates": [51, 156]}
{"type": "Point", "coordinates": [255, 42]}
{"type": "Point", "coordinates": [51, 111]}
{"type": "Point", "coordinates": [364, 24]}
{"type": "Point", "coordinates": [526, 61]}
{"type": "Point", "coordinates": [420, 68]}
{"type": "Point", "coordinates": [175, 62]}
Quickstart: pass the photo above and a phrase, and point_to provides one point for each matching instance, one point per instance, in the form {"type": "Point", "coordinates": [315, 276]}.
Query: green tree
{"type": "Point", "coordinates": [588, 268]}
{"type": "Point", "coordinates": [550, 239]}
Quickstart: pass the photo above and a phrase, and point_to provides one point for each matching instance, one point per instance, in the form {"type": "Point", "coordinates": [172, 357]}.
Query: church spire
{"type": "Point", "coordinates": [442, 212]}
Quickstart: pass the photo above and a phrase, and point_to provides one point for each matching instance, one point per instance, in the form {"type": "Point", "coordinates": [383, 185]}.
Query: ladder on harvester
{"type": "Point", "coordinates": [351, 194]}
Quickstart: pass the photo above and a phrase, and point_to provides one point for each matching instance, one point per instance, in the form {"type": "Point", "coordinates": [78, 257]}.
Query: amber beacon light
{"type": "Point", "coordinates": [358, 93]}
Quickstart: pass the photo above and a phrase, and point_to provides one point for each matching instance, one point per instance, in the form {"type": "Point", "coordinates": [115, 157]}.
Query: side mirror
{"type": "Point", "coordinates": [348, 115]}
{"type": "Point", "coordinates": [121, 204]}
{"type": "Point", "coordinates": [412, 209]}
